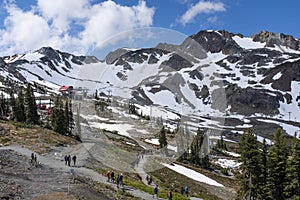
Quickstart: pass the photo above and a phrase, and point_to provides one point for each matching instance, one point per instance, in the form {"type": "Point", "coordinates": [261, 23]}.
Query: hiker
{"type": "Point", "coordinates": [182, 190]}
{"type": "Point", "coordinates": [66, 160]}
{"type": "Point", "coordinates": [32, 158]}
{"type": "Point", "coordinates": [121, 180]}
{"type": "Point", "coordinates": [74, 159]}
{"type": "Point", "coordinates": [118, 181]}
{"type": "Point", "coordinates": [147, 178]}
{"type": "Point", "coordinates": [155, 191]}
{"type": "Point", "coordinates": [35, 160]}
{"type": "Point", "coordinates": [112, 176]}
{"type": "Point", "coordinates": [170, 195]}
{"type": "Point", "coordinates": [69, 160]}
{"type": "Point", "coordinates": [108, 175]}
{"type": "Point", "coordinates": [187, 191]}
{"type": "Point", "coordinates": [150, 180]}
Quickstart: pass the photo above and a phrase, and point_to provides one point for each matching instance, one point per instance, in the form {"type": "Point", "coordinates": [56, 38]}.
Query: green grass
{"type": "Point", "coordinates": [168, 178]}
{"type": "Point", "coordinates": [162, 192]}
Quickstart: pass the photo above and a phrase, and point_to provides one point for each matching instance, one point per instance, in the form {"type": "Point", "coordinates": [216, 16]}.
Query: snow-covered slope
{"type": "Point", "coordinates": [215, 79]}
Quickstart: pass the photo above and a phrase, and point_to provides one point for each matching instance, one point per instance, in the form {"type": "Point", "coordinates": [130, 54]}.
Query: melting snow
{"type": "Point", "coordinates": [248, 43]}
{"type": "Point", "coordinates": [277, 76]}
{"type": "Point", "coordinates": [192, 174]}
{"type": "Point", "coordinates": [219, 138]}
{"type": "Point", "coordinates": [152, 141]}
{"type": "Point", "coordinates": [122, 129]}
{"type": "Point", "coordinates": [227, 163]}
{"type": "Point", "coordinates": [290, 129]}
{"type": "Point", "coordinates": [232, 154]}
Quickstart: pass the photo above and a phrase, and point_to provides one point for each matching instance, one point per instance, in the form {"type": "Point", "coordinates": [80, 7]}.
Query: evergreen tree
{"type": "Point", "coordinates": [20, 109]}
{"type": "Point", "coordinates": [67, 116]}
{"type": "Point", "coordinates": [188, 137]}
{"type": "Point", "coordinates": [58, 119]}
{"type": "Point", "coordinates": [162, 139]}
{"type": "Point", "coordinates": [71, 123]}
{"type": "Point", "coordinates": [32, 116]}
{"type": "Point", "coordinates": [196, 147]}
{"type": "Point", "coordinates": [180, 139]}
{"type": "Point", "coordinates": [264, 171]}
{"type": "Point", "coordinates": [4, 109]}
{"type": "Point", "coordinates": [292, 187]}
{"type": "Point", "coordinates": [251, 171]}
{"type": "Point", "coordinates": [13, 105]}
{"type": "Point", "coordinates": [96, 94]}
{"type": "Point", "coordinates": [277, 159]}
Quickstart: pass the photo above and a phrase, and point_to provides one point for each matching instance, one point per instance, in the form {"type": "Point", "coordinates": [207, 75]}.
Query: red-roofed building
{"type": "Point", "coordinates": [66, 91]}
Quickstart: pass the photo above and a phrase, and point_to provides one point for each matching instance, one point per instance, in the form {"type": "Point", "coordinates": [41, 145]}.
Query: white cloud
{"type": "Point", "coordinates": [199, 8]}
{"type": "Point", "coordinates": [69, 25]}
{"type": "Point", "coordinates": [62, 12]}
{"type": "Point", "coordinates": [212, 19]}
{"type": "Point", "coordinates": [23, 30]}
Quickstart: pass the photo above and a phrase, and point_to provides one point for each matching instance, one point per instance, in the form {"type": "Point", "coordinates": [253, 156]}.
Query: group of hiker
{"type": "Point", "coordinates": [111, 178]}
{"type": "Point", "coordinates": [68, 159]}
{"type": "Point", "coordinates": [33, 160]}
{"type": "Point", "coordinates": [183, 191]}
{"type": "Point", "coordinates": [149, 179]}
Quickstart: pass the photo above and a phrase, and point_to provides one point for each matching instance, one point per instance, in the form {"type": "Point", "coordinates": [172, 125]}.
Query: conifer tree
{"type": "Point", "coordinates": [162, 139]}
{"type": "Point", "coordinates": [13, 106]}
{"type": "Point", "coordinates": [196, 147]}
{"type": "Point", "coordinates": [250, 157]}
{"type": "Point", "coordinates": [67, 116]}
{"type": "Point", "coordinates": [277, 159]}
{"type": "Point", "coordinates": [292, 187]}
{"type": "Point", "coordinates": [264, 171]}
{"type": "Point", "coordinates": [30, 106]}
{"type": "Point", "coordinates": [71, 117]}
{"type": "Point", "coordinates": [20, 109]}
{"type": "Point", "coordinates": [180, 139]}
{"type": "Point", "coordinates": [58, 119]}
{"type": "Point", "coordinates": [4, 109]}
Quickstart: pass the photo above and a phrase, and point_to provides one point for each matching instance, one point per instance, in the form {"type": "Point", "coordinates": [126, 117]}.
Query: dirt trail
{"type": "Point", "coordinates": [48, 161]}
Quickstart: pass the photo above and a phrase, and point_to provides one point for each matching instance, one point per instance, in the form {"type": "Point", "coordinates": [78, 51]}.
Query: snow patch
{"type": "Point", "coordinates": [152, 141]}
{"type": "Point", "coordinates": [277, 76]}
{"type": "Point", "coordinates": [228, 163]}
{"type": "Point", "coordinates": [192, 174]}
{"type": "Point", "coordinates": [247, 43]}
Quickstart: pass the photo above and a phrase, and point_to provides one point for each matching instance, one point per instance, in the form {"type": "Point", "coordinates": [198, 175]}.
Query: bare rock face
{"type": "Point", "coordinates": [249, 101]}
{"type": "Point", "coordinates": [217, 41]}
{"type": "Point", "coordinates": [273, 39]}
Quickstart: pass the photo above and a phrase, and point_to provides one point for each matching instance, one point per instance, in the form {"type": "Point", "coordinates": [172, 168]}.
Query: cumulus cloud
{"type": "Point", "coordinates": [69, 25]}
{"type": "Point", "coordinates": [23, 30]}
{"type": "Point", "coordinates": [205, 7]}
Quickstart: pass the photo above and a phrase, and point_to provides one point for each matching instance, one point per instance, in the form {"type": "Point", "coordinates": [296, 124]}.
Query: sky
{"type": "Point", "coordinates": [79, 26]}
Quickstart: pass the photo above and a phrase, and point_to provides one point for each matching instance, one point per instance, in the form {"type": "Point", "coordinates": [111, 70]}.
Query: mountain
{"type": "Point", "coordinates": [214, 79]}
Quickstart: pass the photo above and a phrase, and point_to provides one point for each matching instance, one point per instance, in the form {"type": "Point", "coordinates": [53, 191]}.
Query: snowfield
{"type": "Point", "coordinates": [192, 174]}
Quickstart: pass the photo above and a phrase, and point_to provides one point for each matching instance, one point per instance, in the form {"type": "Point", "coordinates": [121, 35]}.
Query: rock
{"type": "Point", "coordinates": [249, 101]}
{"type": "Point", "coordinates": [272, 39]}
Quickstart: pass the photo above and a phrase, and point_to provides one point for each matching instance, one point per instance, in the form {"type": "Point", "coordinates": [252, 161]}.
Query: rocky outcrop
{"type": "Point", "coordinates": [217, 41]}
{"type": "Point", "coordinates": [289, 71]}
{"type": "Point", "coordinates": [272, 39]}
{"type": "Point", "coordinates": [248, 101]}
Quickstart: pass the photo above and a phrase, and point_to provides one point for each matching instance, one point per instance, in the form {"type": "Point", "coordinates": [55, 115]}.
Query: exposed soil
{"type": "Point", "coordinates": [19, 179]}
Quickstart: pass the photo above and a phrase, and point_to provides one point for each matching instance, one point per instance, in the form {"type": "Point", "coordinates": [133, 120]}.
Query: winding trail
{"type": "Point", "coordinates": [48, 161]}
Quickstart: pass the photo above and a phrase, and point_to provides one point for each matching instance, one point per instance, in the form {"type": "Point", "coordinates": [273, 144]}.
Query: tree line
{"type": "Point", "coordinates": [269, 172]}
{"type": "Point", "coordinates": [23, 109]}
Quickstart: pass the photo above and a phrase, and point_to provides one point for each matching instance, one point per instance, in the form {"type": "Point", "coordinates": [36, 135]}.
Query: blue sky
{"type": "Point", "coordinates": [79, 25]}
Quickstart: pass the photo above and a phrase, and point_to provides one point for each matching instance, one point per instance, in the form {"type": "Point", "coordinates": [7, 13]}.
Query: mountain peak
{"type": "Point", "coordinates": [217, 41]}
{"type": "Point", "coordinates": [271, 39]}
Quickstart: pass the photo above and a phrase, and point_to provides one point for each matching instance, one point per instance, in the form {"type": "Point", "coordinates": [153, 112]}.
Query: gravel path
{"type": "Point", "coordinates": [48, 161]}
